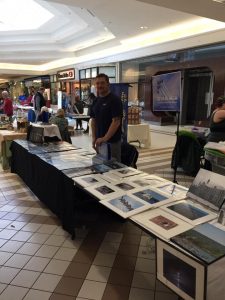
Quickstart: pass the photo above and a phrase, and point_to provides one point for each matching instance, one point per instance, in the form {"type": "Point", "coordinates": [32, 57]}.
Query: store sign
{"type": "Point", "coordinates": [66, 74]}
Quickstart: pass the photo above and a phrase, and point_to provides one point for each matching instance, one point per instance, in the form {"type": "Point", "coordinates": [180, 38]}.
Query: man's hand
{"type": "Point", "coordinates": [99, 141]}
{"type": "Point", "coordinates": [94, 144]}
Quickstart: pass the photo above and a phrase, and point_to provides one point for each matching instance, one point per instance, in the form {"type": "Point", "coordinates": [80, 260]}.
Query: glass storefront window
{"type": "Point", "coordinates": [110, 71]}
{"type": "Point", "coordinates": [88, 73]}
{"type": "Point", "coordinates": [93, 72]}
{"type": "Point", "coordinates": [82, 74]}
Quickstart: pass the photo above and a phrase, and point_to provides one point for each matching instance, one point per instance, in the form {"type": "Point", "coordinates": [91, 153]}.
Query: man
{"type": "Point", "coordinates": [106, 118]}
{"type": "Point", "coordinates": [7, 104]}
{"type": "Point", "coordinates": [39, 102]}
{"type": "Point", "coordinates": [78, 108]}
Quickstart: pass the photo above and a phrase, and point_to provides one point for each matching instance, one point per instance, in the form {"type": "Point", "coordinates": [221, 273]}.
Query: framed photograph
{"type": "Point", "coordinates": [205, 241]}
{"type": "Point", "coordinates": [179, 272]}
{"type": "Point", "coordinates": [161, 223]}
{"type": "Point", "coordinates": [125, 186]}
{"type": "Point", "coordinates": [103, 190]}
{"type": "Point", "coordinates": [125, 205]}
{"type": "Point", "coordinates": [154, 180]}
{"type": "Point", "coordinates": [173, 190]}
{"type": "Point", "coordinates": [76, 172]}
{"type": "Point", "coordinates": [89, 180]}
{"type": "Point", "coordinates": [126, 172]}
{"type": "Point", "coordinates": [138, 180]}
{"type": "Point", "coordinates": [208, 188]}
{"type": "Point", "coordinates": [190, 212]}
{"type": "Point", "coordinates": [110, 177]}
{"type": "Point", "coordinates": [150, 195]}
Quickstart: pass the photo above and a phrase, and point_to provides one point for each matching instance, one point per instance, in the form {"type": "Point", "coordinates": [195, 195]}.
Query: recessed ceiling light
{"type": "Point", "coordinates": [143, 27]}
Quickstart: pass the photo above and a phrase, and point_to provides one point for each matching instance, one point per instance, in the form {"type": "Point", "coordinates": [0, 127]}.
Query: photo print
{"type": "Point", "coordinates": [163, 222]}
{"type": "Point", "coordinates": [103, 190]}
{"type": "Point", "coordinates": [173, 190]}
{"type": "Point", "coordinates": [88, 180]}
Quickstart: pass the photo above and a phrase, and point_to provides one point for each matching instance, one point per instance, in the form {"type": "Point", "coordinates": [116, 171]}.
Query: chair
{"type": "Point", "coordinates": [188, 153]}
{"type": "Point", "coordinates": [129, 155]}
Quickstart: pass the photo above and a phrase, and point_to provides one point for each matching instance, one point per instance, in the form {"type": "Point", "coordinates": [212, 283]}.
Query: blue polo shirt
{"type": "Point", "coordinates": [103, 111]}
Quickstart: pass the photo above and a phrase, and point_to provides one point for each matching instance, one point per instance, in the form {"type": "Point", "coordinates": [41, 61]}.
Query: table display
{"type": "Point", "coordinates": [49, 130]}
{"type": "Point", "coordinates": [139, 133]}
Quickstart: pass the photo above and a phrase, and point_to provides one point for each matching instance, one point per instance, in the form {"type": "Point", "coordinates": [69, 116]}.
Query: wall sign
{"type": "Point", "coordinates": [66, 74]}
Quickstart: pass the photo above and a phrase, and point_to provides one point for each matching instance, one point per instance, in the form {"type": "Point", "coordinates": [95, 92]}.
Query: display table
{"type": "Point", "coordinates": [6, 137]}
{"type": "Point", "coordinates": [50, 130]}
{"type": "Point", "coordinates": [139, 133]}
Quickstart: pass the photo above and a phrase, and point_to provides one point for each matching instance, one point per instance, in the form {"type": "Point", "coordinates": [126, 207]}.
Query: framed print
{"type": "Point", "coordinates": [205, 241]}
{"type": "Point", "coordinates": [110, 177]}
{"type": "Point", "coordinates": [76, 172]}
{"type": "Point", "coordinates": [173, 190]}
{"type": "Point", "coordinates": [154, 180]}
{"type": "Point", "coordinates": [125, 205]}
{"type": "Point", "coordinates": [150, 195]}
{"type": "Point", "coordinates": [103, 190]}
{"type": "Point", "coordinates": [208, 188]}
{"type": "Point", "coordinates": [179, 272]}
{"type": "Point", "coordinates": [161, 223]}
{"type": "Point", "coordinates": [126, 172]}
{"type": "Point", "coordinates": [125, 186]}
{"type": "Point", "coordinates": [88, 180]}
{"type": "Point", "coordinates": [190, 212]}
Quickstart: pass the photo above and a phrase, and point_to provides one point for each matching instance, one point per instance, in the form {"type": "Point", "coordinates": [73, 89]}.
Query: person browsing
{"type": "Point", "coordinates": [106, 116]}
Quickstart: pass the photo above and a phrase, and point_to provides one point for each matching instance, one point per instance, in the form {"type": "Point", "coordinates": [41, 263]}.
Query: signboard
{"type": "Point", "coordinates": [66, 74]}
{"type": "Point", "coordinates": [167, 92]}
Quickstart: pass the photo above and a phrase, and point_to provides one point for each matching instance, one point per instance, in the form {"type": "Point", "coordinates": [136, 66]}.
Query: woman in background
{"type": "Point", "coordinates": [62, 123]}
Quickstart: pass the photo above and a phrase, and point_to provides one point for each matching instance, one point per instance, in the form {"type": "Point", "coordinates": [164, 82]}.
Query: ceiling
{"type": "Point", "coordinates": [58, 33]}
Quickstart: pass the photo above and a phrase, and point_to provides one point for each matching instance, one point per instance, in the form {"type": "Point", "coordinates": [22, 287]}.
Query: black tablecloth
{"type": "Point", "coordinates": [49, 184]}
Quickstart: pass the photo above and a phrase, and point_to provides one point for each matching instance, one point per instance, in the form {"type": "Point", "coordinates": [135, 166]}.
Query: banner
{"type": "Point", "coordinates": [121, 90]}
{"type": "Point", "coordinates": [166, 90]}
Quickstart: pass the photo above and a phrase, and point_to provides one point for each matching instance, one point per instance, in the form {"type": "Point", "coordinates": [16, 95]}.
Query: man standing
{"type": "Point", "coordinates": [106, 118]}
{"type": "Point", "coordinates": [7, 104]}
{"type": "Point", "coordinates": [39, 102]}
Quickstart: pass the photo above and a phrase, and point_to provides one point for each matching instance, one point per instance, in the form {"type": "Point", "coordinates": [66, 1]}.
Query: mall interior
{"type": "Point", "coordinates": [76, 224]}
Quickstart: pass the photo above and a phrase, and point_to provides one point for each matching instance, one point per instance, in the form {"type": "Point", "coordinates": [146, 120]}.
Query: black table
{"type": "Point", "coordinates": [50, 185]}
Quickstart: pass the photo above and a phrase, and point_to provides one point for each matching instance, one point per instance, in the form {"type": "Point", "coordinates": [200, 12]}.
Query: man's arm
{"type": "Point", "coordinates": [111, 131]}
{"type": "Point", "coordinates": [93, 132]}
{"type": "Point", "coordinates": [37, 103]}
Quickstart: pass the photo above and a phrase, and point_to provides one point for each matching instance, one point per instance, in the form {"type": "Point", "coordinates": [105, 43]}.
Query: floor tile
{"type": "Point", "coordinates": [4, 223]}
{"type": "Point", "coordinates": [29, 249]}
{"type": "Point", "coordinates": [33, 211]}
{"type": "Point", "coordinates": [2, 287]}
{"type": "Point", "coordinates": [104, 259]}
{"type": "Point", "coordinates": [73, 244]}
{"type": "Point", "coordinates": [65, 254]}
{"type": "Point", "coordinates": [49, 229]}
{"type": "Point", "coordinates": [22, 236]}
{"type": "Point", "coordinates": [20, 209]}
{"type": "Point", "coordinates": [32, 227]}
{"type": "Point", "coordinates": [37, 264]}
{"type": "Point", "coordinates": [116, 292]}
{"type": "Point", "coordinates": [47, 251]}
{"type": "Point", "coordinates": [167, 296]}
{"type": "Point", "coordinates": [55, 240]}
{"type": "Point", "coordinates": [98, 273]}
{"type": "Point", "coordinates": [131, 239]}
{"type": "Point", "coordinates": [11, 216]}
{"type": "Point", "coordinates": [161, 287]}
{"type": "Point", "coordinates": [143, 280]}
{"type": "Point", "coordinates": [4, 256]}
{"type": "Point", "coordinates": [13, 292]}
{"type": "Point", "coordinates": [142, 294]}
{"type": "Point", "coordinates": [121, 277]}
{"type": "Point", "coordinates": [109, 247]}
{"type": "Point", "coordinates": [69, 286]}
{"type": "Point", "coordinates": [145, 252]}
{"type": "Point", "coordinates": [145, 265]}
{"type": "Point", "coordinates": [57, 267]}
{"type": "Point", "coordinates": [78, 270]}
{"type": "Point", "coordinates": [62, 297]}
{"type": "Point", "coordinates": [18, 261]}
{"type": "Point", "coordinates": [128, 250]}
{"type": "Point", "coordinates": [38, 238]}
{"type": "Point", "coordinates": [7, 208]}
{"type": "Point", "coordinates": [113, 237]}
{"type": "Point", "coordinates": [37, 295]}
{"type": "Point", "coordinates": [25, 278]}
{"type": "Point", "coordinates": [2, 242]}
{"type": "Point", "coordinates": [7, 274]}
{"type": "Point", "coordinates": [125, 262]}
{"type": "Point", "coordinates": [47, 282]}
{"type": "Point", "coordinates": [25, 218]}
{"type": "Point", "coordinates": [85, 257]}
{"type": "Point", "coordinates": [7, 234]}
{"type": "Point", "coordinates": [60, 231]}
{"type": "Point", "coordinates": [16, 225]}
{"type": "Point", "coordinates": [92, 290]}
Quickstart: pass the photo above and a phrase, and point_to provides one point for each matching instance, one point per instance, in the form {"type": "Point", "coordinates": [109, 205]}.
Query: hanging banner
{"type": "Point", "coordinates": [166, 90]}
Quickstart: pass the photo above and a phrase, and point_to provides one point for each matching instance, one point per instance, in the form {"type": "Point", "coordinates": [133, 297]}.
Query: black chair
{"type": "Point", "coordinates": [129, 155]}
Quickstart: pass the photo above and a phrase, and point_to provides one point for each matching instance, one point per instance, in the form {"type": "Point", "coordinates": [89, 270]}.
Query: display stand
{"type": "Point", "coordinates": [176, 149]}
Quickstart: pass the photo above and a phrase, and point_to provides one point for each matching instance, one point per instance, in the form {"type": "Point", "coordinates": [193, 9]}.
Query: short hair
{"type": "Point", "coordinates": [41, 88]}
{"type": "Point", "coordinates": [102, 75]}
{"type": "Point", "coordinates": [220, 101]}
{"type": "Point", "coordinates": [60, 113]}
{"type": "Point", "coordinates": [5, 94]}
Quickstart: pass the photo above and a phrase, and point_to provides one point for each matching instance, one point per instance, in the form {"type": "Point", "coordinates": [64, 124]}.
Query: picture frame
{"type": "Point", "coordinates": [138, 180]}
{"type": "Point", "coordinates": [125, 186]}
{"type": "Point", "coordinates": [180, 272]}
{"type": "Point", "coordinates": [190, 212]}
{"type": "Point", "coordinates": [125, 205]}
{"type": "Point", "coordinates": [103, 190]}
{"type": "Point", "coordinates": [126, 172]}
{"type": "Point", "coordinates": [173, 190]}
{"type": "Point", "coordinates": [88, 180]}
{"type": "Point", "coordinates": [152, 196]}
{"type": "Point", "coordinates": [154, 180]}
{"type": "Point", "coordinates": [161, 223]}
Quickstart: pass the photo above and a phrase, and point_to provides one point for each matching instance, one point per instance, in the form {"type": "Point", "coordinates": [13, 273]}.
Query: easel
{"type": "Point", "coordinates": [176, 151]}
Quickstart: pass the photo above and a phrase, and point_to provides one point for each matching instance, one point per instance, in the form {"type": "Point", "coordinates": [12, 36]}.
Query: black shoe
{"type": "Point", "coordinates": [76, 129]}
{"type": "Point", "coordinates": [81, 128]}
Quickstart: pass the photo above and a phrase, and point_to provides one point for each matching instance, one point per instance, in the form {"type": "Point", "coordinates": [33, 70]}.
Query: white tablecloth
{"type": "Point", "coordinates": [140, 133]}
{"type": "Point", "coordinates": [49, 130]}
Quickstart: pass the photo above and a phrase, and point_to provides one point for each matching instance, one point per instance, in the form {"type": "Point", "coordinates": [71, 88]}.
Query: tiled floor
{"type": "Point", "coordinates": [111, 259]}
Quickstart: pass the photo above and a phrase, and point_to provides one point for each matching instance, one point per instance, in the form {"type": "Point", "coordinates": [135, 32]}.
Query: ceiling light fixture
{"type": "Point", "coordinates": [144, 27]}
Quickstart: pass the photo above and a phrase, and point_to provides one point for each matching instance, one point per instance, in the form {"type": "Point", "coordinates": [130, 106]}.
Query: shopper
{"type": "Point", "coordinates": [7, 104]}
{"type": "Point", "coordinates": [39, 102]}
{"type": "Point", "coordinates": [106, 118]}
{"type": "Point", "coordinates": [90, 104]}
{"type": "Point", "coordinates": [62, 123]}
{"type": "Point", "coordinates": [78, 108]}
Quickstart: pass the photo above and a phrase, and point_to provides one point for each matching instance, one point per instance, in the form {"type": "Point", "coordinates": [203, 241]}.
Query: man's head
{"type": "Point", "coordinates": [102, 85]}
{"type": "Point", "coordinates": [41, 90]}
{"type": "Point", "coordinates": [5, 94]}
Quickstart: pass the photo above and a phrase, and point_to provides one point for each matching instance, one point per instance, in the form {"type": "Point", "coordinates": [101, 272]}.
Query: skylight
{"type": "Point", "coordinates": [22, 15]}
